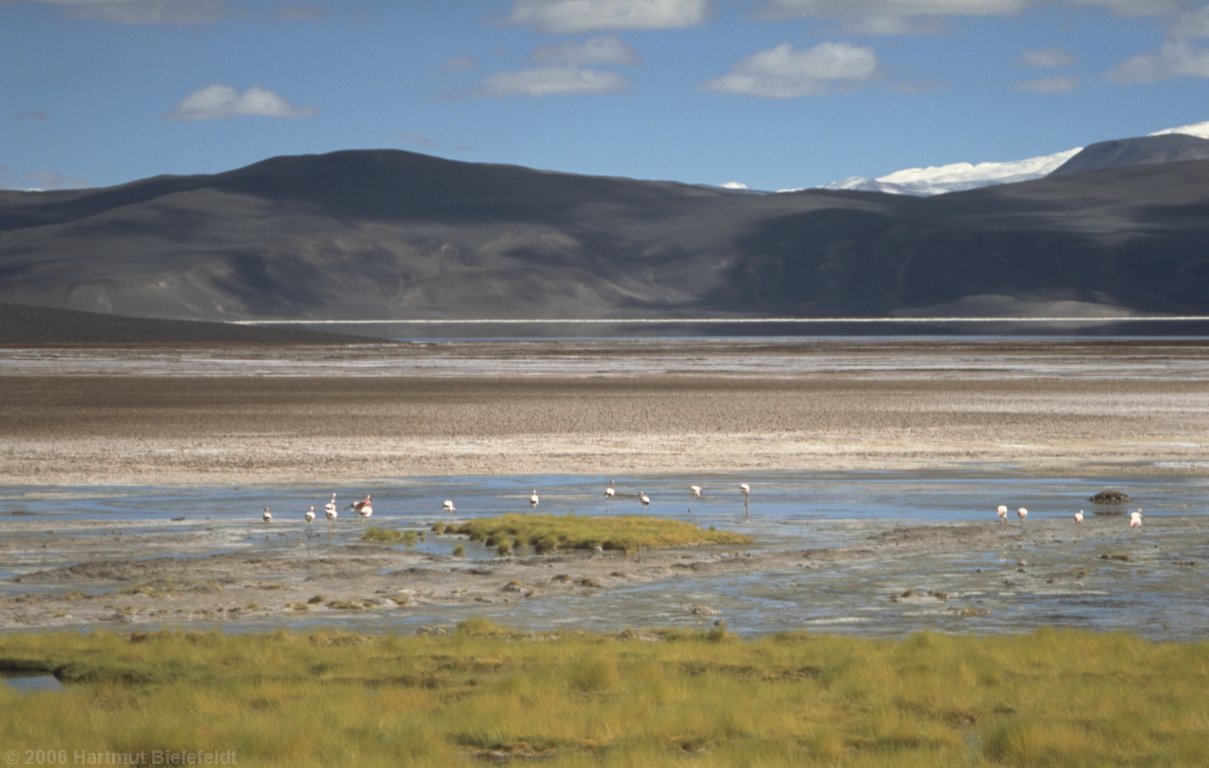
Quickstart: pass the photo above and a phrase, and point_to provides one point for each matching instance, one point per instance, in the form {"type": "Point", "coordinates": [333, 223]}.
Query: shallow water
{"type": "Point", "coordinates": [1043, 572]}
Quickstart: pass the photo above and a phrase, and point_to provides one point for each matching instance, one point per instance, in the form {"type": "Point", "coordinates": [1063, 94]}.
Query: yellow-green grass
{"type": "Point", "coordinates": [626, 533]}
{"type": "Point", "coordinates": [376, 535]}
{"type": "Point", "coordinates": [482, 693]}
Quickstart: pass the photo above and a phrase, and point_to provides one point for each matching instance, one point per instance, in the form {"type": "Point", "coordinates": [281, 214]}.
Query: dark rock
{"type": "Point", "coordinates": [1110, 497]}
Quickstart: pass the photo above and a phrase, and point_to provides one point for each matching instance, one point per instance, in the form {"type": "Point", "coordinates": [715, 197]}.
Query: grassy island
{"type": "Point", "coordinates": [547, 533]}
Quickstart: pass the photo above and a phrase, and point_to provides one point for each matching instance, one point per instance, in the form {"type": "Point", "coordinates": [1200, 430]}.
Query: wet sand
{"type": "Point", "coordinates": [150, 417]}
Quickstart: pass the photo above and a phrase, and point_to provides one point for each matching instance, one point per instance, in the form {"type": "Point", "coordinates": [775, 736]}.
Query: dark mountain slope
{"type": "Point", "coordinates": [372, 234]}
{"type": "Point", "coordinates": [1145, 150]}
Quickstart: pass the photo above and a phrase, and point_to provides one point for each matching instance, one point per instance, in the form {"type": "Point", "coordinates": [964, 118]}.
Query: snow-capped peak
{"type": "Point", "coordinates": [938, 179]}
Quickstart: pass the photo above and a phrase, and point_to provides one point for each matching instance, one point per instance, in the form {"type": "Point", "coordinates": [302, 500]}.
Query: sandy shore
{"type": "Point", "coordinates": [183, 425]}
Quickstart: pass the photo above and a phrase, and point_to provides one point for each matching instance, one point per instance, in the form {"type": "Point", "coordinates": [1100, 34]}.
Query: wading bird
{"type": "Point", "coordinates": [329, 510]}
{"type": "Point", "coordinates": [642, 497]}
{"type": "Point", "coordinates": [1001, 510]}
{"type": "Point", "coordinates": [448, 506]}
{"type": "Point", "coordinates": [310, 515]}
{"type": "Point", "coordinates": [267, 516]}
{"type": "Point", "coordinates": [1135, 519]}
{"type": "Point", "coordinates": [363, 508]}
{"type": "Point", "coordinates": [745, 489]}
{"type": "Point", "coordinates": [610, 490]}
{"type": "Point", "coordinates": [1022, 513]}
{"type": "Point", "coordinates": [1079, 516]}
{"type": "Point", "coordinates": [534, 500]}
{"type": "Point", "coordinates": [695, 490]}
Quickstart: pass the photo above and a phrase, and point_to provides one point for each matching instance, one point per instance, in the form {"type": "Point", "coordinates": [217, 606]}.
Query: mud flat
{"type": "Point", "coordinates": [276, 415]}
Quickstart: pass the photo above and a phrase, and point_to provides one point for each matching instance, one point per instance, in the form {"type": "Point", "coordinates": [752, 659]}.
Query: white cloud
{"type": "Point", "coordinates": [220, 101]}
{"type": "Point", "coordinates": [1173, 59]}
{"type": "Point", "coordinates": [785, 73]}
{"type": "Point", "coordinates": [574, 16]}
{"type": "Point", "coordinates": [736, 185]}
{"type": "Point", "coordinates": [1046, 58]}
{"type": "Point", "coordinates": [552, 81]}
{"type": "Point", "coordinates": [144, 11]}
{"type": "Point", "coordinates": [1056, 84]}
{"type": "Point", "coordinates": [606, 49]}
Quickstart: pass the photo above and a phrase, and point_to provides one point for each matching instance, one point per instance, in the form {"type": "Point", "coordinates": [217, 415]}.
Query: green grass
{"type": "Point", "coordinates": [376, 535]}
{"type": "Point", "coordinates": [548, 533]}
{"type": "Point", "coordinates": [485, 693]}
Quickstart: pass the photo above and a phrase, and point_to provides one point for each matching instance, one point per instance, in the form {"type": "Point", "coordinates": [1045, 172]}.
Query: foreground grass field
{"type": "Point", "coordinates": [482, 693]}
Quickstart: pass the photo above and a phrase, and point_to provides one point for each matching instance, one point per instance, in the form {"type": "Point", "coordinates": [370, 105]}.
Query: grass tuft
{"type": "Point", "coordinates": [548, 533]}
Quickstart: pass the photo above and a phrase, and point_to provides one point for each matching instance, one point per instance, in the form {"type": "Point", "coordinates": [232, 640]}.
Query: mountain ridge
{"type": "Point", "coordinates": [373, 234]}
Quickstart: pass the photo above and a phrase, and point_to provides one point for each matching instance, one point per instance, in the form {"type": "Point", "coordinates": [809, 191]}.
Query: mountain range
{"type": "Point", "coordinates": [1117, 229]}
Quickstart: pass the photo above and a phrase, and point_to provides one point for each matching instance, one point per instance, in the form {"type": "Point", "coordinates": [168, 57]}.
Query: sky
{"type": "Point", "coordinates": [768, 94]}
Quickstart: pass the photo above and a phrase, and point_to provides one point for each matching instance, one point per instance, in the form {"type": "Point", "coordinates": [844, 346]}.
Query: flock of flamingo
{"type": "Point", "coordinates": [1135, 517]}
{"type": "Point", "coordinates": [365, 507]}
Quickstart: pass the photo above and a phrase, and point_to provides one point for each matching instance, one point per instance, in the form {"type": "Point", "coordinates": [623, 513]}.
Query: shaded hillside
{"type": "Point", "coordinates": [373, 234]}
{"type": "Point", "coordinates": [1145, 150]}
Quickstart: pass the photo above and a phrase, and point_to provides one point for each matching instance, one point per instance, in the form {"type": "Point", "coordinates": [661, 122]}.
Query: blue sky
{"type": "Point", "coordinates": [773, 94]}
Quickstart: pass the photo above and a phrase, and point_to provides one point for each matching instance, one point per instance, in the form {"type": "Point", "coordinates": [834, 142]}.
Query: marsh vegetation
{"type": "Point", "coordinates": [624, 533]}
{"type": "Point", "coordinates": [486, 693]}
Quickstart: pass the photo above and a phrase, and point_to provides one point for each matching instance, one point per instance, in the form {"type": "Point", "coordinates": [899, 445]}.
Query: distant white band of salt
{"type": "Point", "coordinates": [740, 320]}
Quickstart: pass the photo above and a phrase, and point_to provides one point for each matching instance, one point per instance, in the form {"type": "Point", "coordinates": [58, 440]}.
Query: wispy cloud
{"type": "Point", "coordinates": [577, 16]}
{"type": "Point", "coordinates": [552, 81]}
{"type": "Point", "coordinates": [896, 17]}
{"type": "Point", "coordinates": [299, 12]}
{"type": "Point", "coordinates": [34, 116]}
{"type": "Point", "coordinates": [38, 180]}
{"type": "Point", "coordinates": [902, 17]}
{"type": "Point", "coordinates": [460, 64]}
{"type": "Point", "coordinates": [1194, 23]}
{"type": "Point", "coordinates": [606, 49]}
{"type": "Point", "coordinates": [183, 12]}
{"type": "Point", "coordinates": [218, 101]}
{"type": "Point", "coordinates": [786, 73]}
{"type": "Point", "coordinates": [1174, 59]}
{"type": "Point", "coordinates": [1046, 58]}
{"type": "Point", "coordinates": [1055, 84]}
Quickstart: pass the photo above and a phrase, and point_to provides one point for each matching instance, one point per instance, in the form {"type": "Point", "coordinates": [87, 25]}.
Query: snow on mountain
{"type": "Point", "coordinates": [938, 179]}
{"type": "Point", "coordinates": [1200, 130]}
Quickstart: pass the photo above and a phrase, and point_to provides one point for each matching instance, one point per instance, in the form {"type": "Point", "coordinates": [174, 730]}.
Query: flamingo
{"type": "Point", "coordinates": [642, 497]}
{"type": "Point", "coordinates": [1001, 511]}
{"type": "Point", "coordinates": [533, 499]}
{"type": "Point", "coordinates": [448, 506]}
{"type": "Point", "coordinates": [611, 490]}
{"type": "Point", "coordinates": [695, 490]}
{"type": "Point", "coordinates": [364, 508]}
{"type": "Point", "coordinates": [310, 514]}
{"type": "Point", "coordinates": [745, 489]}
{"type": "Point", "coordinates": [1135, 519]}
{"type": "Point", "coordinates": [1022, 513]}
{"type": "Point", "coordinates": [1079, 516]}
{"type": "Point", "coordinates": [267, 516]}
{"type": "Point", "coordinates": [329, 510]}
